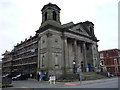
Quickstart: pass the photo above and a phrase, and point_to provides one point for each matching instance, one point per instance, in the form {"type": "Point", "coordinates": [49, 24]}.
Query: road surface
{"type": "Point", "coordinates": [103, 83]}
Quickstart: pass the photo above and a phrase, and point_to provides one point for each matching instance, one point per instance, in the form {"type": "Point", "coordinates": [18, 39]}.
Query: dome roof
{"type": "Point", "coordinates": [50, 5]}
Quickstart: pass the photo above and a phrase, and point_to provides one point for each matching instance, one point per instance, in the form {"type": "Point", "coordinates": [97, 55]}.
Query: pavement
{"type": "Point", "coordinates": [90, 81]}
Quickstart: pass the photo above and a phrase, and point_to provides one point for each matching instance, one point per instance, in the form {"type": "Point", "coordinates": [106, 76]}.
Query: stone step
{"type": "Point", "coordinates": [85, 76]}
{"type": "Point", "coordinates": [92, 76]}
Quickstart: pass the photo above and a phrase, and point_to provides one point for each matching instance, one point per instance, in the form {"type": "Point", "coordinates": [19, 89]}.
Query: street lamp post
{"type": "Point", "coordinates": [80, 77]}
{"type": "Point", "coordinates": [74, 66]}
{"type": "Point", "coordinates": [79, 70]}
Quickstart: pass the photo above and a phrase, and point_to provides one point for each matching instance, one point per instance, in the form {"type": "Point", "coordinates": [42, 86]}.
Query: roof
{"type": "Point", "coordinates": [50, 5]}
{"type": "Point", "coordinates": [6, 53]}
{"type": "Point", "coordinates": [84, 26]}
{"type": "Point", "coordinates": [68, 25]}
{"type": "Point", "coordinates": [109, 50]}
{"type": "Point", "coordinates": [31, 37]}
{"type": "Point", "coordinates": [47, 27]}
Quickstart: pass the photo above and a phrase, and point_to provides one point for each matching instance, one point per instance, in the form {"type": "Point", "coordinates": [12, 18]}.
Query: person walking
{"type": "Point", "coordinates": [38, 77]}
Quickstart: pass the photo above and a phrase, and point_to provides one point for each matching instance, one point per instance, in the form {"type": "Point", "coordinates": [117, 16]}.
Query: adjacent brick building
{"type": "Point", "coordinates": [56, 47]}
{"type": "Point", "coordinates": [110, 60]}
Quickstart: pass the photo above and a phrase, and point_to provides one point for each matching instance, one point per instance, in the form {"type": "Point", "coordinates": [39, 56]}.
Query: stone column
{"type": "Point", "coordinates": [65, 54]}
{"type": "Point", "coordinates": [95, 58]}
{"type": "Point", "coordinates": [90, 56]}
{"type": "Point", "coordinates": [75, 47]}
{"type": "Point", "coordinates": [85, 57]}
{"type": "Point", "coordinates": [75, 54]}
{"type": "Point", "coordinates": [98, 59]}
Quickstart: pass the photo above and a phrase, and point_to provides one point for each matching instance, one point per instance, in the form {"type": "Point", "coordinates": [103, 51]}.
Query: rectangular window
{"type": "Point", "coordinates": [118, 61]}
{"type": "Point", "coordinates": [101, 55]}
{"type": "Point", "coordinates": [43, 60]}
{"type": "Point", "coordinates": [115, 61]}
{"type": "Point", "coordinates": [56, 61]}
{"type": "Point", "coordinates": [107, 55]}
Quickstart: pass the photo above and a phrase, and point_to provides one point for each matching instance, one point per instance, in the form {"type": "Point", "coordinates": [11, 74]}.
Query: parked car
{"type": "Point", "coordinates": [19, 77]}
{"type": "Point", "coordinates": [7, 75]}
{"type": "Point", "coordinates": [16, 77]}
{"type": "Point", "coordinates": [117, 74]}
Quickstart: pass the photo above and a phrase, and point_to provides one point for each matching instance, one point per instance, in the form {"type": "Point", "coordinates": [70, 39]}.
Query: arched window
{"type": "Point", "coordinates": [45, 16]}
{"type": "Point", "coordinates": [54, 15]}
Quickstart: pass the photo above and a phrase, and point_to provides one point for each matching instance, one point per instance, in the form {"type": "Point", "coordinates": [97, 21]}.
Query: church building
{"type": "Point", "coordinates": [56, 48]}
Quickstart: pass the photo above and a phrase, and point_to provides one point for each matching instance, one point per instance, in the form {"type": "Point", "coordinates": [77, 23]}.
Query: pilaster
{"type": "Point", "coordinates": [49, 60]}
{"type": "Point", "coordinates": [38, 64]}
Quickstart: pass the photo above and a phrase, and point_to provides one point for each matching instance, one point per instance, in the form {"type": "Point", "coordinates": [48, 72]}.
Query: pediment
{"type": "Point", "coordinates": [79, 29]}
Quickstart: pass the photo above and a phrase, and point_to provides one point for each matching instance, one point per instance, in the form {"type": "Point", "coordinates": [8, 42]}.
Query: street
{"type": "Point", "coordinates": [103, 83]}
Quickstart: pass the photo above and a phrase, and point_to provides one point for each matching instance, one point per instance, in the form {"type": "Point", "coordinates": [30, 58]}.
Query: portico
{"type": "Point", "coordinates": [78, 51]}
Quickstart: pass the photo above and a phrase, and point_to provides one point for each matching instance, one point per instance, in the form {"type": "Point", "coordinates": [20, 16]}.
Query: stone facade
{"type": "Point", "coordinates": [58, 46]}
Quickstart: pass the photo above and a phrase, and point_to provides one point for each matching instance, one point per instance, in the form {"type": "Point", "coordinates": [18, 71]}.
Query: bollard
{"type": "Point", "coordinates": [80, 77]}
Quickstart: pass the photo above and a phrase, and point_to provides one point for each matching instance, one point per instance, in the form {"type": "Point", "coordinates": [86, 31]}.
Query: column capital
{"type": "Point", "coordinates": [83, 42]}
{"type": "Point", "coordinates": [64, 37]}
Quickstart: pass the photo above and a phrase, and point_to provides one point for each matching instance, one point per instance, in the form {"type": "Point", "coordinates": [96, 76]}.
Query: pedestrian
{"type": "Point", "coordinates": [50, 79]}
{"type": "Point", "coordinates": [38, 76]}
{"type": "Point", "coordinates": [54, 78]}
{"type": "Point", "coordinates": [41, 76]}
{"type": "Point", "coordinates": [30, 75]}
{"type": "Point", "coordinates": [108, 74]}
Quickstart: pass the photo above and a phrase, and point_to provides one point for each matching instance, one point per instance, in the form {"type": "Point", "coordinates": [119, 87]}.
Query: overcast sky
{"type": "Point", "coordinates": [21, 18]}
